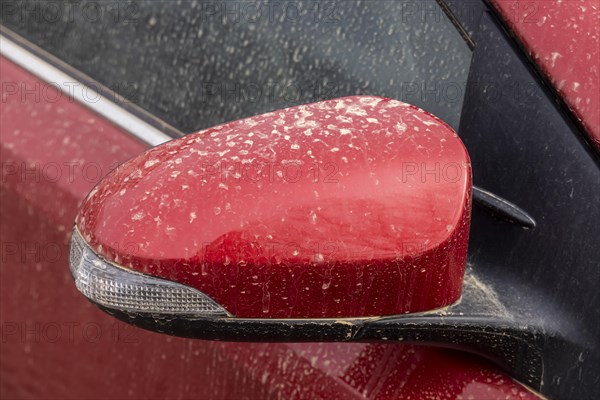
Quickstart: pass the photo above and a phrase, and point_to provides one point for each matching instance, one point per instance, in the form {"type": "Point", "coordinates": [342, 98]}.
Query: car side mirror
{"type": "Point", "coordinates": [298, 224]}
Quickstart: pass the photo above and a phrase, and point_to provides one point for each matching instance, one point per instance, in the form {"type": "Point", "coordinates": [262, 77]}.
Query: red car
{"type": "Point", "coordinates": [381, 200]}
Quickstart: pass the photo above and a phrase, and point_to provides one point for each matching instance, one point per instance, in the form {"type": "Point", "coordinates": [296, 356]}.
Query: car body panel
{"type": "Point", "coordinates": [563, 38]}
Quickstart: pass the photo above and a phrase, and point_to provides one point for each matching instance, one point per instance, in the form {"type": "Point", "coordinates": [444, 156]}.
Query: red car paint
{"type": "Point", "coordinates": [352, 207]}
{"type": "Point", "coordinates": [54, 345]}
{"type": "Point", "coordinates": [53, 153]}
{"type": "Point", "coordinates": [563, 38]}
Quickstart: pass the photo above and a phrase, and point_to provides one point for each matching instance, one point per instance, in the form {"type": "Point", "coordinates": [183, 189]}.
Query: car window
{"type": "Point", "coordinates": [201, 63]}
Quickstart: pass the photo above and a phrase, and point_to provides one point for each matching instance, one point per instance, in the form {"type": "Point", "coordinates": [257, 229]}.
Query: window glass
{"type": "Point", "coordinates": [200, 63]}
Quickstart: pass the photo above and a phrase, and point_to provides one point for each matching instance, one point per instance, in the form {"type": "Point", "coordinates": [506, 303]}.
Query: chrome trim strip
{"type": "Point", "coordinates": [101, 105]}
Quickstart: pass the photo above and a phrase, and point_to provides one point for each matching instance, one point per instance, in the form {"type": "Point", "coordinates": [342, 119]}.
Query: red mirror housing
{"type": "Point", "coordinates": [353, 207]}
